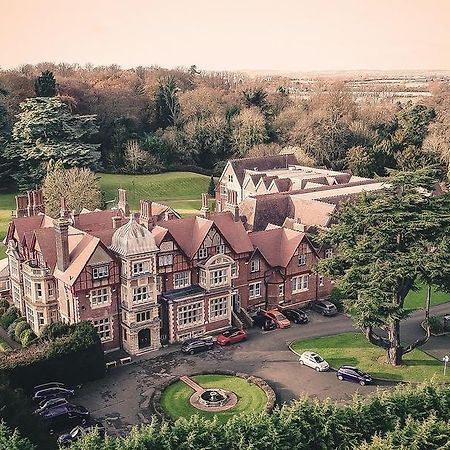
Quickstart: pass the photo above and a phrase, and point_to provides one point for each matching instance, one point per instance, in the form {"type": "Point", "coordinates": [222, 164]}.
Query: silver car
{"type": "Point", "coordinates": [313, 360]}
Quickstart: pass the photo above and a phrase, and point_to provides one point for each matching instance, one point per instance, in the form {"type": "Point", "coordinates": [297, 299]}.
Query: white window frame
{"type": "Point", "coordinates": [302, 259]}
{"type": "Point", "coordinates": [218, 308]}
{"type": "Point", "coordinates": [39, 292]}
{"type": "Point", "coordinates": [223, 189]}
{"type": "Point", "coordinates": [328, 252]}
{"type": "Point", "coordinates": [99, 272]}
{"type": "Point", "coordinates": [254, 265]}
{"type": "Point", "coordinates": [181, 279]}
{"type": "Point", "coordinates": [300, 283]}
{"type": "Point", "coordinates": [99, 297]}
{"type": "Point", "coordinates": [103, 328]}
{"type": "Point", "coordinates": [14, 267]}
{"type": "Point", "coordinates": [234, 269]}
{"type": "Point", "coordinates": [30, 315]}
{"type": "Point", "coordinates": [140, 294]}
{"type": "Point", "coordinates": [27, 287]}
{"type": "Point", "coordinates": [51, 289]}
{"type": "Point", "coordinates": [41, 318]}
{"type": "Point", "coordinates": [143, 316]}
{"type": "Point", "coordinates": [230, 178]}
{"type": "Point", "coordinates": [165, 260]}
{"type": "Point", "coordinates": [321, 280]}
{"type": "Point", "coordinates": [202, 253]}
{"type": "Point", "coordinates": [218, 277]}
{"type": "Point", "coordinates": [190, 315]}
{"type": "Point", "coordinates": [281, 290]}
{"type": "Point", "coordinates": [138, 268]}
{"type": "Point", "coordinates": [254, 290]}
{"type": "Point", "coordinates": [221, 249]}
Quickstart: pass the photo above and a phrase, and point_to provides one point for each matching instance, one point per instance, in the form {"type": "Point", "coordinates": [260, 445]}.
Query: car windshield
{"type": "Point", "coordinates": [360, 373]}
{"type": "Point", "coordinates": [318, 358]}
{"type": "Point", "coordinates": [75, 432]}
{"type": "Point", "coordinates": [279, 317]}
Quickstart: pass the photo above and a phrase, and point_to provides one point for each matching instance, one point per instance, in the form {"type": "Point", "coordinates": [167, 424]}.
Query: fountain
{"type": "Point", "coordinates": [213, 397]}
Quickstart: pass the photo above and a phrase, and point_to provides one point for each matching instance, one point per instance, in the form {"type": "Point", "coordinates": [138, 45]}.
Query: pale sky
{"type": "Point", "coordinates": [288, 35]}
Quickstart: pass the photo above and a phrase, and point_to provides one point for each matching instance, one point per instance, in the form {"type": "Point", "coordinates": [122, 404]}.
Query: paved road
{"type": "Point", "coordinates": [122, 398]}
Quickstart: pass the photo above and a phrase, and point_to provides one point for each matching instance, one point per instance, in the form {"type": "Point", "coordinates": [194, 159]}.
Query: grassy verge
{"type": "Point", "coordinates": [175, 399]}
{"type": "Point", "coordinates": [354, 349]}
{"type": "Point", "coordinates": [416, 299]}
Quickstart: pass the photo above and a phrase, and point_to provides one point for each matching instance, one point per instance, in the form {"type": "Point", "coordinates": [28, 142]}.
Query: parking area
{"type": "Point", "coordinates": [122, 399]}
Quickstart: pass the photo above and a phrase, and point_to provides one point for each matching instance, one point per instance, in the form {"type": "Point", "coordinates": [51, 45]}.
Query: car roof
{"type": "Point", "coordinates": [349, 367]}
{"type": "Point", "coordinates": [309, 353]}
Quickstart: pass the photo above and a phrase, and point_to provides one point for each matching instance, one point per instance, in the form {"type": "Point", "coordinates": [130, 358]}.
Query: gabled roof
{"type": "Point", "coordinates": [278, 245]}
{"type": "Point", "coordinates": [282, 184]}
{"type": "Point", "coordinates": [233, 232]}
{"type": "Point", "coordinates": [262, 163]}
{"type": "Point", "coordinates": [96, 220]}
{"type": "Point", "coordinates": [312, 212]}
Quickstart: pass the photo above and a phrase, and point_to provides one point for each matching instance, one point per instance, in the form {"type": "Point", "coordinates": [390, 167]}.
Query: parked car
{"type": "Point", "coordinates": [63, 416]}
{"type": "Point", "coordinates": [295, 315]}
{"type": "Point", "coordinates": [313, 360]}
{"type": "Point", "coordinates": [264, 322]}
{"type": "Point", "coordinates": [51, 403]}
{"type": "Point", "coordinates": [195, 345]}
{"type": "Point", "coordinates": [67, 439]}
{"type": "Point", "coordinates": [277, 317]}
{"type": "Point", "coordinates": [55, 392]}
{"type": "Point", "coordinates": [232, 336]}
{"type": "Point", "coordinates": [53, 384]}
{"type": "Point", "coordinates": [354, 374]}
{"type": "Point", "coordinates": [325, 308]}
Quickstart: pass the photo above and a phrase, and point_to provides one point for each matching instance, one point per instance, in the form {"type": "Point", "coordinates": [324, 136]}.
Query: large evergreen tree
{"type": "Point", "coordinates": [385, 245]}
{"type": "Point", "coordinates": [47, 130]}
{"type": "Point", "coordinates": [45, 84]}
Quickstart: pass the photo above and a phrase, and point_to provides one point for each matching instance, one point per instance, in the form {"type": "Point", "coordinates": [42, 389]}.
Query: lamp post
{"type": "Point", "coordinates": [445, 359]}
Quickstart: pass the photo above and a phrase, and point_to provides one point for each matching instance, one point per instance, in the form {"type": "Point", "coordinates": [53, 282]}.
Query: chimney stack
{"type": "Point", "coordinates": [116, 222]}
{"type": "Point", "coordinates": [123, 202]}
{"type": "Point", "coordinates": [30, 206]}
{"type": "Point", "coordinates": [62, 242]}
{"type": "Point", "coordinates": [21, 205]}
{"type": "Point", "coordinates": [205, 205]}
{"type": "Point", "coordinates": [38, 202]}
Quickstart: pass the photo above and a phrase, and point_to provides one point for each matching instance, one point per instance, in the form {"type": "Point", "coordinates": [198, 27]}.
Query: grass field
{"type": "Point", "coordinates": [416, 299]}
{"type": "Point", "coordinates": [354, 349]}
{"type": "Point", "coordinates": [180, 190]}
{"type": "Point", "coordinates": [175, 399]}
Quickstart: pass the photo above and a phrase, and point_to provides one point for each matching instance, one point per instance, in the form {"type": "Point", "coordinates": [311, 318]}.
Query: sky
{"type": "Point", "coordinates": [281, 35]}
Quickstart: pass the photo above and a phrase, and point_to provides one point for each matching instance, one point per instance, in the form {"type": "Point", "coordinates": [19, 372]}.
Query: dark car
{"type": "Point", "coordinates": [53, 384]}
{"type": "Point", "coordinates": [51, 403]}
{"type": "Point", "coordinates": [325, 308]}
{"type": "Point", "coordinates": [354, 374]}
{"type": "Point", "coordinates": [67, 439]}
{"type": "Point", "coordinates": [232, 336]}
{"type": "Point", "coordinates": [195, 345]}
{"type": "Point", "coordinates": [296, 315]}
{"type": "Point", "coordinates": [54, 392]}
{"type": "Point", "coordinates": [64, 416]}
{"type": "Point", "coordinates": [263, 322]}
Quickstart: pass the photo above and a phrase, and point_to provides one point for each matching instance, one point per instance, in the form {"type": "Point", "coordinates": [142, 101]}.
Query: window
{"type": "Point", "coordinates": [181, 279]}
{"type": "Point", "coordinates": [202, 253]}
{"type": "Point", "coordinates": [202, 277]}
{"type": "Point", "coordinates": [223, 189]}
{"type": "Point", "coordinates": [39, 289]}
{"type": "Point", "coordinates": [51, 289]}
{"type": "Point", "coordinates": [143, 316]}
{"type": "Point", "coordinates": [158, 284]}
{"type": "Point", "coordinates": [234, 270]}
{"type": "Point", "coordinates": [321, 280]}
{"type": "Point", "coordinates": [100, 272]}
{"type": "Point", "coordinates": [30, 316]}
{"type": "Point", "coordinates": [230, 178]}
{"type": "Point", "coordinates": [300, 283]}
{"type": "Point", "coordinates": [138, 268]}
{"type": "Point", "coordinates": [328, 253]}
{"type": "Point", "coordinates": [41, 320]}
{"type": "Point", "coordinates": [190, 314]}
{"type": "Point", "coordinates": [140, 294]}
{"type": "Point", "coordinates": [280, 290]}
{"type": "Point", "coordinates": [165, 260]}
{"type": "Point", "coordinates": [301, 260]}
{"type": "Point", "coordinates": [125, 335]}
{"type": "Point", "coordinates": [16, 296]}
{"type": "Point", "coordinates": [103, 328]}
{"type": "Point", "coordinates": [14, 267]}
{"type": "Point", "coordinates": [99, 296]}
{"type": "Point", "coordinates": [218, 308]}
{"type": "Point", "coordinates": [219, 277]}
{"type": "Point", "coordinates": [220, 249]}
{"type": "Point", "coordinates": [27, 287]}
{"type": "Point", "coordinates": [254, 290]}
{"type": "Point", "coordinates": [254, 265]}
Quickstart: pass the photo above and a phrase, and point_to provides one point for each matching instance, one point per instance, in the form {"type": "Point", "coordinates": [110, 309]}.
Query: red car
{"type": "Point", "coordinates": [277, 317]}
{"type": "Point", "coordinates": [232, 336]}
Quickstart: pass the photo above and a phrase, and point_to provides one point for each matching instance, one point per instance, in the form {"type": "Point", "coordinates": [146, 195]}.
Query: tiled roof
{"type": "Point", "coordinates": [233, 232]}
{"type": "Point", "coordinates": [261, 164]}
{"type": "Point", "coordinates": [312, 212]}
{"type": "Point", "coordinates": [96, 220]}
{"type": "Point", "coordinates": [283, 184]}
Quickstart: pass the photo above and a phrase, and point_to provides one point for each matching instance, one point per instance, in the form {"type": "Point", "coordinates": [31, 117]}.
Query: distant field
{"type": "Point", "coordinates": [181, 190]}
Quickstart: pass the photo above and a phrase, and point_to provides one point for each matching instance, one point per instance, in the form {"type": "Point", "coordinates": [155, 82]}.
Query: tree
{"type": "Point", "coordinates": [248, 130]}
{"type": "Point", "coordinates": [386, 244]}
{"type": "Point", "coordinates": [167, 104]}
{"type": "Point", "coordinates": [46, 130]}
{"type": "Point", "coordinates": [45, 84]}
{"type": "Point", "coordinates": [78, 186]}
{"type": "Point", "coordinates": [362, 161]}
{"type": "Point", "coordinates": [264, 150]}
{"type": "Point", "coordinates": [212, 187]}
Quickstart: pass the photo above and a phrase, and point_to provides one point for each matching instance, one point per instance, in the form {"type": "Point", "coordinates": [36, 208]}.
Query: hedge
{"type": "Point", "coordinates": [73, 358]}
{"type": "Point", "coordinates": [9, 317]}
{"type": "Point", "coordinates": [21, 326]}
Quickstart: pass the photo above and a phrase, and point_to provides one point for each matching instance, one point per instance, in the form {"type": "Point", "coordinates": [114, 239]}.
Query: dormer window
{"type": "Point", "coordinates": [100, 272]}
{"type": "Point", "coordinates": [301, 260]}
{"type": "Point", "coordinates": [254, 265]}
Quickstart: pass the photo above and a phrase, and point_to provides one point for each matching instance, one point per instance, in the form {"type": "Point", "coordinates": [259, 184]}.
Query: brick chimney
{"type": "Point", "coordinates": [205, 205]}
{"type": "Point", "coordinates": [146, 216]}
{"type": "Point", "coordinates": [21, 205]}
{"type": "Point", "coordinates": [116, 222]}
{"type": "Point", "coordinates": [123, 202]}
{"type": "Point", "coordinates": [38, 202]}
{"type": "Point", "coordinates": [30, 207]}
{"type": "Point", "coordinates": [232, 205]}
{"type": "Point", "coordinates": [62, 242]}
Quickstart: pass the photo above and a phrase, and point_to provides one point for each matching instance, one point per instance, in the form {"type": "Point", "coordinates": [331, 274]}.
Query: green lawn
{"type": "Point", "coordinates": [416, 299]}
{"type": "Point", "coordinates": [251, 398]}
{"type": "Point", "coordinates": [7, 205]}
{"type": "Point", "coordinates": [354, 349]}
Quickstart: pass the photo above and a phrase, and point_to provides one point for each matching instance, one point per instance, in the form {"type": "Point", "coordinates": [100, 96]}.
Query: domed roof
{"type": "Point", "coordinates": [133, 239]}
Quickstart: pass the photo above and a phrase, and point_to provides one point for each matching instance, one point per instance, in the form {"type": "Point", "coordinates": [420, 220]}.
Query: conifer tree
{"type": "Point", "coordinates": [45, 84]}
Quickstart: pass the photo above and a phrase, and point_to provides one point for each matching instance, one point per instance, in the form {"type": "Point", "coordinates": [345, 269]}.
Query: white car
{"type": "Point", "coordinates": [313, 360]}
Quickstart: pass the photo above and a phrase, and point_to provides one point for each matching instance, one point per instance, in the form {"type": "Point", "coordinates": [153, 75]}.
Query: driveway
{"type": "Point", "coordinates": [122, 398]}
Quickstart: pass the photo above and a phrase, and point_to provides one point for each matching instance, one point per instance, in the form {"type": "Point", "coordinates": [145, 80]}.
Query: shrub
{"type": "Point", "coordinates": [20, 328]}
{"type": "Point", "coordinates": [10, 315]}
{"type": "Point", "coordinates": [338, 299]}
{"type": "Point", "coordinates": [4, 303]}
{"type": "Point", "coordinates": [12, 330]}
{"type": "Point", "coordinates": [438, 325]}
{"type": "Point", "coordinates": [55, 330]}
{"type": "Point", "coordinates": [27, 337]}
